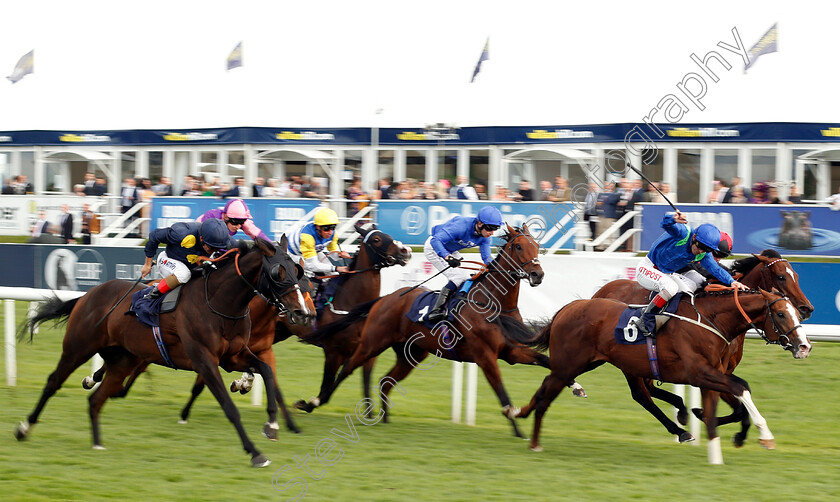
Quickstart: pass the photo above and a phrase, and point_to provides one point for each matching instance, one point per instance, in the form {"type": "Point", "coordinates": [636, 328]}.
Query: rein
{"type": "Point", "coordinates": [768, 305]}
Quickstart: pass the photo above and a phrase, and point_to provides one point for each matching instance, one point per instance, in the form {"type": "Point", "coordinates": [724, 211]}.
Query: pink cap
{"type": "Point", "coordinates": [236, 208]}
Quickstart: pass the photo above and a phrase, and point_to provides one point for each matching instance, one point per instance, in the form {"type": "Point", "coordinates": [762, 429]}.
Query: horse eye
{"type": "Point", "coordinates": [780, 314]}
{"type": "Point", "coordinates": [780, 277]}
{"type": "Point", "coordinates": [518, 247]}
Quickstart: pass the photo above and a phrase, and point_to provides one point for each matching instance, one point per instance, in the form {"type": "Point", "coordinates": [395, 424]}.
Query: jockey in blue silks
{"type": "Point", "coordinates": [461, 232]}
{"type": "Point", "coordinates": [678, 247]}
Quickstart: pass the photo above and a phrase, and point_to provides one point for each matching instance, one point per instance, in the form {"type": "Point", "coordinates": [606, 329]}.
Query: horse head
{"type": "Point", "coordinates": [775, 273]}
{"type": "Point", "coordinates": [279, 282]}
{"type": "Point", "coordinates": [382, 250]}
{"type": "Point", "coordinates": [521, 256]}
{"type": "Point", "coordinates": [784, 321]}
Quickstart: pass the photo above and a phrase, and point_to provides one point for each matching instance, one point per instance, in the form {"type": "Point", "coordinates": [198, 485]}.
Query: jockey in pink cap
{"type": "Point", "coordinates": [236, 216]}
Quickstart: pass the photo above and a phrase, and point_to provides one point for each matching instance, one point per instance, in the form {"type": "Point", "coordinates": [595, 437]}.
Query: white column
{"type": "Point", "coordinates": [192, 164]}
{"type": "Point", "coordinates": [222, 165]}
{"type": "Point", "coordinates": [141, 166]}
{"type": "Point", "coordinates": [280, 170]}
{"type": "Point", "coordinates": [669, 167]}
{"type": "Point", "coordinates": [431, 164]}
{"type": "Point", "coordinates": [15, 163]}
{"type": "Point", "coordinates": [783, 167]}
{"type": "Point", "coordinates": [180, 168]}
{"type": "Point", "coordinates": [250, 174]}
{"type": "Point", "coordinates": [745, 166]}
{"type": "Point", "coordinates": [824, 188]}
{"type": "Point", "coordinates": [169, 161]}
{"type": "Point", "coordinates": [370, 161]}
{"type": "Point", "coordinates": [707, 171]}
{"type": "Point", "coordinates": [337, 179]}
{"type": "Point", "coordinates": [463, 168]}
{"type": "Point", "coordinates": [399, 164]}
{"type": "Point", "coordinates": [39, 181]}
{"type": "Point", "coordinates": [11, 356]}
{"type": "Point", "coordinates": [495, 170]}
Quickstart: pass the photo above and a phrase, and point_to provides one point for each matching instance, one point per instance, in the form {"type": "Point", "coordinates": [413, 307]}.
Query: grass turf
{"type": "Point", "coordinates": [602, 448]}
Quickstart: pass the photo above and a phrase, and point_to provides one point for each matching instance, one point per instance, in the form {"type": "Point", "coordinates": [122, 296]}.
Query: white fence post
{"type": "Point", "coordinates": [11, 357]}
{"type": "Point", "coordinates": [257, 390]}
{"type": "Point", "coordinates": [472, 384]}
{"type": "Point", "coordinates": [457, 390]}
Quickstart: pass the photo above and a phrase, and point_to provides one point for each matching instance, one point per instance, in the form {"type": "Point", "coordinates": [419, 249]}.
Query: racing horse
{"type": "Point", "coordinates": [209, 329]}
{"type": "Point", "coordinates": [581, 338]}
{"type": "Point", "coordinates": [768, 271]}
{"type": "Point", "coordinates": [477, 332]}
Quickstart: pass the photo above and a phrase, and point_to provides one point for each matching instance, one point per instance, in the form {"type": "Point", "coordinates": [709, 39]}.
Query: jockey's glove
{"type": "Point", "coordinates": [453, 262]}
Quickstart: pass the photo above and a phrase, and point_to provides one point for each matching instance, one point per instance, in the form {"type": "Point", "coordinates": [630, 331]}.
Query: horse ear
{"type": "Point", "coordinates": [284, 242]}
{"type": "Point", "coordinates": [525, 229]}
{"type": "Point", "coordinates": [359, 229]}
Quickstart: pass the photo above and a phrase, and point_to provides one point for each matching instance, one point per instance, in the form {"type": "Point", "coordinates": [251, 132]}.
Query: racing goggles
{"type": "Point", "coordinates": [327, 228]}
{"type": "Point", "coordinates": [237, 221]}
{"type": "Point", "coordinates": [490, 228]}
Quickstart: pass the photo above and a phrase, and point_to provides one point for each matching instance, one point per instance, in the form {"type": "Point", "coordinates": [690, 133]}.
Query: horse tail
{"type": "Point", "coordinates": [515, 331]}
{"type": "Point", "coordinates": [52, 309]}
{"type": "Point", "coordinates": [543, 338]}
{"type": "Point", "coordinates": [358, 314]}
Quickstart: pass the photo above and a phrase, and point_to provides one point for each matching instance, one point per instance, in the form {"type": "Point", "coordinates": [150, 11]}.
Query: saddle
{"type": "Point", "coordinates": [625, 334]}
{"type": "Point", "coordinates": [421, 307]}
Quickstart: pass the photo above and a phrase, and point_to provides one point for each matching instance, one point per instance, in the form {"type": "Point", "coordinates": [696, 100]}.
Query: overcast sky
{"type": "Point", "coordinates": [161, 64]}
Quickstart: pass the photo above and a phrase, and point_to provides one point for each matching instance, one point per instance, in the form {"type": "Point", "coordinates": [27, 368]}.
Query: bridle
{"type": "Point", "coordinates": [519, 272]}
{"type": "Point", "coordinates": [783, 339]}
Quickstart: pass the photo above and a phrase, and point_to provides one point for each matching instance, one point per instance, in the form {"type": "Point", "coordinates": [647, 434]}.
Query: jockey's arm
{"type": "Point", "coordinates": [253, 231]}
{"type": "Point", "coordinates": [674, 227]}
{"type": "Point", "coordinates": [311, 260]}
{"type": "Point", "coordinates": [484, 248]}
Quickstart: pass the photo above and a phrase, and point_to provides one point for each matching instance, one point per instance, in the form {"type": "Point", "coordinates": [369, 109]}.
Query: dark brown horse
{"type": "Point", "coordinates": [209, 329]}
{"type": "Point", "coordinates": [580, 337]}
{"type": "Point", "coordinates": [768, 271]}
{"type": "Point", "coordinates": [478, 334]}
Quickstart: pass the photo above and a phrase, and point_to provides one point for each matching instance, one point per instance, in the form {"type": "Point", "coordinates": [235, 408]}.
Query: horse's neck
{"type": "Point", "coordinates": [363, 286]}
{"type": "Point", "coordinates": [498, 287]}
{"type": "Point", "coordinates": [756, 277]}
{"type": "Point", "coordinates": [730, 319]}
{"type": "Point", "coordinates": [224, 284]}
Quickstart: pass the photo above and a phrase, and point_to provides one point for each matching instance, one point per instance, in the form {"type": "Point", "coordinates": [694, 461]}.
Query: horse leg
{"type": "Point", "coordinates": [490, 367]}
{"type": "Point", "coordinates": [710, 400]}
{"type": "Point", "coordinates": [332, 360]}
{"type": "Point", "coordinates": [267, 356]}
{"type": "Point", "coordinates": [641, 395]}
{"type": "Point", "coordinates": [67, 364]}
{"type": "Point", "coordinates": [257, 365]}
{"type": "Point", "coordinates": [549, 390]}
{"type": "Point", "coordinates": [739, 414]}
{"type": "Point", "coordinates": [197, 387]}
{"type": "Point", "coordinates": [674, 400]}
{"type": "Point", "coordinates": [119, 365]}
{"type": "Point", "coordinates": [400, 370]}
{"type": "Point", "coordinates": [208, 368]}
{"type": "Point", "coordinates": [89, 381]}
{"type": "Point", "coordinates": [372, 344]}
{"type": "Point", "coordinates": [367, 371]}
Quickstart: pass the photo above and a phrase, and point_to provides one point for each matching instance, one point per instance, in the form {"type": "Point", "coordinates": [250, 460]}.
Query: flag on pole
{"type": "Point", "coordinates": [234, 60]}
{"type": "Point", "coordinates": [24, 66]}
{"type": "Point", "coordinates": [765, 45]}
{"type": "Point", "coordinates": [485, 55]}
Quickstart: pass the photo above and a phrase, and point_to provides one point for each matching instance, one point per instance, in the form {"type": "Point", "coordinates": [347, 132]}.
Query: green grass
{"type": "Point", "coordinates": [601, 448]}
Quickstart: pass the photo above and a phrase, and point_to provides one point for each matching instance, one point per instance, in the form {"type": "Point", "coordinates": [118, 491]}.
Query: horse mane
{"type": "Point", "coordinates": [745, 265]}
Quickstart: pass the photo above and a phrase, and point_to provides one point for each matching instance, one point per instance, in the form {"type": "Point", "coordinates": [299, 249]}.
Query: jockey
{"type": "Point", "coordinates": [310, 241]}
{"type": "Point", "coordinates": [678, 247]}
{"type": "Point", "coordinates": [185, 242]}
{"type": "Point", "coordinates": [236, 216]}
{"type": "Point", "coordinates": [443, 246]}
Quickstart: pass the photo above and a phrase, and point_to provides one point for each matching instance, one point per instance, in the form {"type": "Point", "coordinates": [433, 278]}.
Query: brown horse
{"type": "Point", "coordinates": [768, 271]}
{"type": "Point", "coordinates": [580, 337]}
{"type": "Point", "coordinates": [477, 334]}
{"type": "Point", "coordinates": [209, 329]}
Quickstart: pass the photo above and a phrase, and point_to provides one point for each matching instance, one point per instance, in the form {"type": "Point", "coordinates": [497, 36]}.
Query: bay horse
{"type": "Point", "coordinates": [580, 338]}
{"type": "Point", "coordinates": [478, 333]}
{"type": "Point", "coordinates": [768, 271]}
{"type": "Point", "coordinates": [209, 329]}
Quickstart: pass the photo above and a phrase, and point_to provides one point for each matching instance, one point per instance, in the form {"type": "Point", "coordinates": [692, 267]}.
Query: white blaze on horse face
{"type": "Point", "coordinates": [802, 350]}
{"type": "Point", "coordinates": [301, 301]}
{"type": "Point", "coordinates": [790, 273]}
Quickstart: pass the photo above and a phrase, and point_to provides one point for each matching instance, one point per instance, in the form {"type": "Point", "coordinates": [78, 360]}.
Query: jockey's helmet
{"type": "Point", "coordinates": [724, 248]}
{"type": "Point", "coordinates": [214, 233]}
{"type": "Point", "coordinates": [237, 209]}
{"type": "Point", "coordinates": [708, 236]}
{"type": "Point", "coordinates": [325, 216]}
{"type": "Point", "coordinates": [489, 215]}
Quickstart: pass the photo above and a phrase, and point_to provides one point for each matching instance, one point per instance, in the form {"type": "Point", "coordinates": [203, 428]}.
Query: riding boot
{"type": "Point", "coordinates": [151, 295]}
{"type": "Point", "coordinates": [438, 311]}
{"type": "Point", "coordinates": [649, 312]}
{"type": "Point", "coordinates": [169, 283]}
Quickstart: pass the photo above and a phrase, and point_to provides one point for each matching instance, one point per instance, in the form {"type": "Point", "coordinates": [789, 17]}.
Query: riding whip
{"type": "Point", "coordinates": [424, 282]}
{"type": "Point", "coordinates": [118, 302]}
{"type": "Point", "coordinates": [654, 186]}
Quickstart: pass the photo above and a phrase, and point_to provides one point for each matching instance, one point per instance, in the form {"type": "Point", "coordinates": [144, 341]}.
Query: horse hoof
{"type": "Point", "coordinates": [682, 417]}
{"type": "Point", "coordinates": [578, 391]}
{"type": "Point", "coordinates": [88, 383]}
{"type": "Point", "coordinates": [21, 432]}
{"type": "Point", "coordinates": [698, 412]}
{"type": "Point", "coordinates": [260, 461]}
{"type": "Point", "coordinates": [270, 431]}
{"type": "Point", "coordinates": [685, 437]}
{"type": "Point", "coordinates": [182, 421]}
{"type": "Point", "coordinates": [769, 444]}
{"type": "Point", "coordinates": [304, 405]}
{"type": "Point", "coordinates": [738, 440]}
{"type": "Point", "coordinates": [234, 387]}
{"type": "Point", "coordinates": [98, 447]}
{"type": "Point", "coordinates": [293, 428]}
{"type": "Point", "coordinates": [536, 448]}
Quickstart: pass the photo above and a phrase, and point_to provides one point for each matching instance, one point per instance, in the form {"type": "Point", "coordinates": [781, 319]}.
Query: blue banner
{"type": "Point", "coordinates": [789, 229]}
{"type": "Point", "coordinates": [823, 294]}
{"type": "Point", "coordinates": [272, 216]}
{"type": "Point", "coordinates": [411, 221]}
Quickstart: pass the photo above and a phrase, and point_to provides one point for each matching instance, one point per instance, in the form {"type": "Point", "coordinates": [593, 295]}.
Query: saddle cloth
{"type": "Point", "coordinates": [421, 307]}
{"type": "Point", "coordinates": [629, 335]}
{"type": "Point", "coordinates": [148, 311]}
